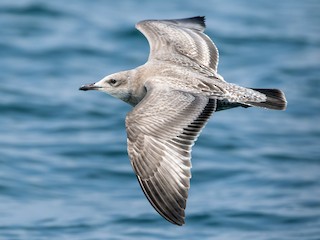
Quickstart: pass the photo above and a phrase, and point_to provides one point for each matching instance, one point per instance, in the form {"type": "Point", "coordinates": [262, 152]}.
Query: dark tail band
{"type": "Point", "coordinates": [275, 99]}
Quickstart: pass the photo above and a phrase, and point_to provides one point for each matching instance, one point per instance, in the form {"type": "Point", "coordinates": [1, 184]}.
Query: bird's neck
{"type": "Point", "coordinates": [137, 91]}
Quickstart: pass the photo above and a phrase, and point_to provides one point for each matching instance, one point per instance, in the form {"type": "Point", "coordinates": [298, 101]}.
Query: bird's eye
{"type": "Point", "coordinates": [112, 81]}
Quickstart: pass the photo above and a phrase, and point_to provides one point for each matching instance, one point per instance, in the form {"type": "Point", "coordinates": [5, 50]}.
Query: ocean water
{"type": "Point", "coordinates": [64, 169]}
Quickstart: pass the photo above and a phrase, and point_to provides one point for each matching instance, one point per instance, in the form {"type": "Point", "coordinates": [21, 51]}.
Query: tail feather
{"type": "Point", "coordinates": [275, 99]}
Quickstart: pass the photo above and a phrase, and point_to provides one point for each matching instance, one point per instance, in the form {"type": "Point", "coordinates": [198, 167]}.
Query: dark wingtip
{"type": "Point", "coordinates": [196, 23]}
{"type": "Point", "coordinates": [201, 20]}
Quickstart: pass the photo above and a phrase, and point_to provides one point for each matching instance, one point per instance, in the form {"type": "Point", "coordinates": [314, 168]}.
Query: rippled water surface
{"type": "Point", "coordinates": [64, 170]}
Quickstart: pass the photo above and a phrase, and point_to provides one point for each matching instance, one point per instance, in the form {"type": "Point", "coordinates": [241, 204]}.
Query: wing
{"type": "Point", "coordinates": [180, 36]}
{"type": "Point", "coordinates": [161, 130]}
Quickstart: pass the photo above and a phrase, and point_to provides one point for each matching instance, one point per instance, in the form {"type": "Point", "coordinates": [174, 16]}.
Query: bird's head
{"type": "Point", "coordinates": [116, 85]}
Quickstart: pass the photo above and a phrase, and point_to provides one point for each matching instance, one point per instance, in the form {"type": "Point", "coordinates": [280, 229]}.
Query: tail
{"type": "Point", "coordinates": [275, 99]}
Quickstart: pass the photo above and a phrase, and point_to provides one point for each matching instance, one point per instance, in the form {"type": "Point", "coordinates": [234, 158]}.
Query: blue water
{"type": "Point", "coordinates": [64, 170]}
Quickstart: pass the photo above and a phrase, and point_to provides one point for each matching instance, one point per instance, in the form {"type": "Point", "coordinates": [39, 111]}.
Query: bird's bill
{"type": "Point", "coordinates": [90, 86]}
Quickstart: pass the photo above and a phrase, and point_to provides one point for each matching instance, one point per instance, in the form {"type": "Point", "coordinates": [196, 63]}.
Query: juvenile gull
{"type": "Point", "coordinates": [174, 94]}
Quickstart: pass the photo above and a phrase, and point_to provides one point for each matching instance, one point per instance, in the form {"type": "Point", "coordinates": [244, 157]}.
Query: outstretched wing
{"type": "Point", "coordinates": [180, 36]}
{"type": "Point", "coordinates": [161, 130]}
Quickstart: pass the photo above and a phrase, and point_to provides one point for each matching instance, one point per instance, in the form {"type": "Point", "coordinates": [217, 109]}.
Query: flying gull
{"type": "Point", "coordinates": [174, 94]}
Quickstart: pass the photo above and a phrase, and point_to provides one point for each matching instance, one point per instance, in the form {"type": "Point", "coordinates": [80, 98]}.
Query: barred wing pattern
{"type": "Point", "coordinates": [161, 131]}
{"type": "Point", "coordinates": [181, 36]}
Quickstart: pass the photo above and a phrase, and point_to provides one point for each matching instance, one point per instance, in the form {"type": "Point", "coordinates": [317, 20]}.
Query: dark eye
{"type": "Point", "coordinates": [112, 81]}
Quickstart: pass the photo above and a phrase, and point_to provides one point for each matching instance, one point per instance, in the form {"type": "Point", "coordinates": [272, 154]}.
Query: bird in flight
{"type": "Point", "coordinates": [174, 94]}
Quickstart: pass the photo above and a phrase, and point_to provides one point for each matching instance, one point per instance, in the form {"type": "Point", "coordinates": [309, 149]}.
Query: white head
{"type": "Point", "coordinates": [116, 85]}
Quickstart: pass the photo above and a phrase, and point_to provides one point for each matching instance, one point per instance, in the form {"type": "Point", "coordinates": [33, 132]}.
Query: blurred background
{"type": "Point", "coordinates": [64, 170]}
